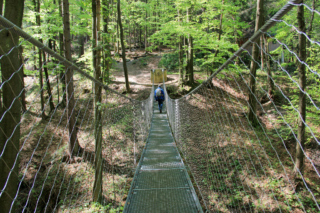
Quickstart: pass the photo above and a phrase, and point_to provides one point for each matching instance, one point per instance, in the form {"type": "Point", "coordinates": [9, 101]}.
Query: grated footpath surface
{"type": "Point", "coordinates": [161, 183]}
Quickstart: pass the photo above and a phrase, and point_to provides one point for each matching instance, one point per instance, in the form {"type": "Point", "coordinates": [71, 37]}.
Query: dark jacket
{"type": "Point", "coordinates": [161, 98]}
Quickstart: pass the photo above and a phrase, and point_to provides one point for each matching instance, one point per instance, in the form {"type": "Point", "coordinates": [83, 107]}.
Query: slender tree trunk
{"type": "Point", "coordinates": [236, 40]}
{"type": "Point", "coordinates": [1, 110]}
{"type": "Point", "coordinates": [129, 36]}
{"type": "Point", "coordinates": [107, 52]}
{"type": "Point", "coordinates": [48, 82]}
{"type": "Point", "coordinates": [1, 7]}
{"type": "Point", "coordinates": [310, 29]}
{"type": "Point", "coordinates": [261, 53]}
{"type": "Point", "coordinates": [187, 59]}
{"type": "Point", "coordinates": [10, 123]}
{"type": "Point", "coordinates": [62, 75]}
{"type": "Point", "coordinates": [37, 9]}
{"type": "Point", "coordinates": [180, 54]}
{"type": "Point", "coordinates": [81, 39]}
{"type": "Point", "coordinates": [140, 40]}
{"type": "Point", "coordinates": [255, 53]}
{"type": "Point", "coordinates": [269, 78]}
{"type": "Point", "coordinates": [123, 49]}
{"type": "Point", "coordinates": [190, 53]}
{"type": "Point", "coordinates": [97, 187]}
{"type": "Point", "coordinates": [118, 37]}
{"type": "Point", "coordinates": [302, 97]}
{"type": "Point", "coordinates": [73, 141]}
{"type": "Point", "coordinates": [23, 95]}
{"type": "Point", "coordinates": [146, 32]}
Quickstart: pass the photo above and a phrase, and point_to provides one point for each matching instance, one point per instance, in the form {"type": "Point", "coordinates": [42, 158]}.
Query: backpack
{"type": "Point", "coordinates": [158, 92]}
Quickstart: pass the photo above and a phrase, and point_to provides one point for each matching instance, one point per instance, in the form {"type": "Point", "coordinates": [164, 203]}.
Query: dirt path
{"type": "Point", "coordinates": [139, 69]}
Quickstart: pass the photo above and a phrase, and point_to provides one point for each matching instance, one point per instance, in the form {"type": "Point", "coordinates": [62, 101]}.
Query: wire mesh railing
{"type": "Point", "coordinates": [241, 167]}
{"type": "Point", "coordinates": [55, 157]}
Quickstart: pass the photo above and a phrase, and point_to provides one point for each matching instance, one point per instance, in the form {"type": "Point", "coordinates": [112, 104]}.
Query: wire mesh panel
{"type": "Point", "coordinates": [240, 164]}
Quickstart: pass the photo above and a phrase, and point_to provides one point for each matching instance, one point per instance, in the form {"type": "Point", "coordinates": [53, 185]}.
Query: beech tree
{"type": "Point", "coordinates": [302, 97]}
{"type": "Point", "coordinates": [253, 68]}
{"type": "Point", "coordinates": [73, 140]}
{"type": "Point", "coordinates": [9, 124]}
{"type": "Point", "coordinates": [123, 48]}
{"type": "Point", "coordinates": [97, 187]}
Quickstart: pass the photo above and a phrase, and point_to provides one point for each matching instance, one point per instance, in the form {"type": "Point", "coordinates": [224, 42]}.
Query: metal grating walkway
{"type": "Point", "coordinates": [161, 183]}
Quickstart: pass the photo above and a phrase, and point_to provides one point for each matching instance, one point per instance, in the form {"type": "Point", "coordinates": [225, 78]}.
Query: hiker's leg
{"type": "Point", "coordinates": [160, 105]}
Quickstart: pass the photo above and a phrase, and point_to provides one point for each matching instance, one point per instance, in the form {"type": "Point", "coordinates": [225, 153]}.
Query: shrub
{"type": "Point", "coordinates": [169, 61]}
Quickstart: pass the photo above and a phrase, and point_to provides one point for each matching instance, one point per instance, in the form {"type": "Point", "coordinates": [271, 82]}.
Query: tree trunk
{"type": "Point", "coordinates": [253, 68]}
{"type": "Point", "coordinates": [118, 44]}
{"type": "Point", "coordinates": [97, 187]}
{"type": "Point", "coordinates": [186, 77]}
{"type": "Point", "coordinates": [261, 53]}
{"type": "Point", "coordinates": [146, 32]}
{"type": "Point", "coordinates": [190, 53]}
{"type": "Point", "coordinates": [180, 54]}
{"type": "Point", "coordinates": [9, 125]}
{"type": "Point", "coordinates": [48, 82]}
{"type": "Point", "coordinates": [140, 40]}
{"type": "Point", "coordinates": [37, 9]}
{"type": "Point", "coordinates": [23, 94]}
{"type": "Point", "coordinates": [269, 78]}
{"type": "Point", "coordinates": [73, 141]}
{"type": "Point", "coordinates": [62, 75]}
{"type": "Point", "coordinates": [1, 7]}
{"type": "Point", "coordinates": [123, 49]}
{"type": "Point", "coordinates": [129, 36]}
{"type": "Point", "coordinates": [107, 53]}
{"type": "Point", "coordinates": [81, 39]}
{"type": "Point", "coordinates": [302, 97]}
{"type": "Point", "coordinates": [310, 29]}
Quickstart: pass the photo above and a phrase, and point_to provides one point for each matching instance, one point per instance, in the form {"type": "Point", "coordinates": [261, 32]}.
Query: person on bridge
{"type": "Point", "coordinates": [159, 96]}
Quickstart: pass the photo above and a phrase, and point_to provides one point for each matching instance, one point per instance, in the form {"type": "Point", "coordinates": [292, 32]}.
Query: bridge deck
{"type": "Point", "coordinates": [161, 183]}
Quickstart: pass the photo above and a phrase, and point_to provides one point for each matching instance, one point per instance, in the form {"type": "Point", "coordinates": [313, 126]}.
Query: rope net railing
{"type": "Point", "coordinates": [66, 139]}
{"type": "Point", "coordinates": [241, 167]}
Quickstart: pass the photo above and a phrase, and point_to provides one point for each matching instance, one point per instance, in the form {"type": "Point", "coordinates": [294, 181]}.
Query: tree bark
{"type": "Point", "coordinates": [219, 34]}
{"type": "Point", "coordinates": [73, 141]}
{"type": "Point", "coordinates": [23, 94]}
{"type": "Point", "coordinates": [186, 76]}
{"type": "Point", "coordinates": [48, 82]}
{"type": "Point", "coordinates": [97, 187]}
{"type": "Point", "coordinates": [180, 55]}
{"type": "Point", "coordinates": [62, 75]}
{"type": "Point", "coordinates": [107, 53]}
{"type": "Point", "coordinates": [310, 29]}
{"type": "Point", "coordinates": [302, 97]}
{"type": "Point", "coordinates": [9, 125]}
{"type": "Point", "coordinates": [129, 35]}
{"type": "Point", "coordinates": [190, 53]}
{"type": "Point", "coordinates": [118, 38]}
{"type": "Point", "coordinates": [261, 52]}
{"type": "Point", "coordinates": [81, 39]}
{"type": "Point", "coordinates": [146, 32]}
{"type": "Point", "coordinates": [123, 48]}
{"type": "Point", "coordinates": [253, 68]}
{"type": "Point", "coordinates": [270, 83]}
{"type": "Point", "coordinates": [1, 7]}
{"type": "Point", "coordinates": [37, 9]}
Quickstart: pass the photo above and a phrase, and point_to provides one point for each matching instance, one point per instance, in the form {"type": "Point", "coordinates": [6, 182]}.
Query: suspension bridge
{"type": "Point", "coordinates": [202, 154]}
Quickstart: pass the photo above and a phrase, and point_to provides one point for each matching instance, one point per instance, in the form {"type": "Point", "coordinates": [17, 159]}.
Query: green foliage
{"type": "Point", "coordinates": [170, 61]}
